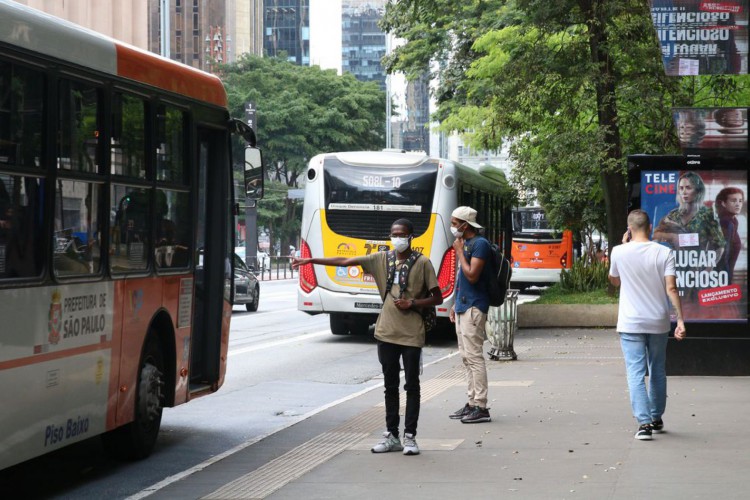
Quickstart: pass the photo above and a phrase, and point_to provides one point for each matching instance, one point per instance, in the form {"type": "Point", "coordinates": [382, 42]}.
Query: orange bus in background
{"type": "Point", "coordinates": [539, 253]}
{"type": "Point", "coordinates": [116, 232]}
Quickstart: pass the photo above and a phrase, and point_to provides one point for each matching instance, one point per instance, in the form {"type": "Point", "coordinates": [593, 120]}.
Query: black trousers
{"type": "Point", "coordinates": [389, 356]}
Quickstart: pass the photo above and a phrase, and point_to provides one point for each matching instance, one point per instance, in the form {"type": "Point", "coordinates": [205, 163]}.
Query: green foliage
{"type": "Point", "coordinates": [556, 295]}
{"type": "Point", "coordinates": [301, 111]}
{"type": "Point", "coordinates": [279, 215]}
{"type": "Point", "coordinates": [574, 86]}
{"type": "Point", "coordinates": [584, 276]}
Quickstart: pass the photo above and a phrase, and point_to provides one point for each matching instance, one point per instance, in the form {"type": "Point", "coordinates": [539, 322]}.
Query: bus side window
{"type": "Point", "coordinates": [129, 231]}
{"type": "Point", "coordinates": [77, 234]}
{"type": "Point", "coordinates": [172, 249]}
{"type": "Point", "coordinates": [21, 207]}
{"type": "Point", "coordinates": [80, 140]}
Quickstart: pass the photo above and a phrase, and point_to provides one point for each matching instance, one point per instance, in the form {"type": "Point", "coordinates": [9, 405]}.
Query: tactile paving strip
{"type": "Point", "coordinates": [295, 463]}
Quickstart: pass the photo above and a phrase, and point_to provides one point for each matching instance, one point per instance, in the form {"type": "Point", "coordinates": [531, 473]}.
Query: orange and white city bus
{"type": "Point", "coordinates": [116, 217]}
{"type": "Point", "coordinates": [539, 253]}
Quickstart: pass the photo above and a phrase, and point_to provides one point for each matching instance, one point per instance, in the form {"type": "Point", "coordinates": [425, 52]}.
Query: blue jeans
{"type": "Point", "coordinates": [646, 353]}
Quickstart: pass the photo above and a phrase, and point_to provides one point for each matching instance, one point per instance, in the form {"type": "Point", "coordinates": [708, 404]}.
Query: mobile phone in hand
{"type": "Point", "coordinates": [630, 236]}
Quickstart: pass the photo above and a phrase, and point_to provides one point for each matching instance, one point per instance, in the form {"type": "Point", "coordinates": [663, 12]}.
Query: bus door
{"type": "Point", "coordinates": [211, 274]}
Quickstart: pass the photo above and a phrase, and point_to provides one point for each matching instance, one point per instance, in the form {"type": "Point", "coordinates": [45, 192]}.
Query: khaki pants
{"type": "Point", "coordinates": [470, 330]}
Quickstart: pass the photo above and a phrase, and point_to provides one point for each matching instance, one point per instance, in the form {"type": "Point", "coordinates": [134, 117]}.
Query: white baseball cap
{"type": "Point", "coordinates": [467, 214]}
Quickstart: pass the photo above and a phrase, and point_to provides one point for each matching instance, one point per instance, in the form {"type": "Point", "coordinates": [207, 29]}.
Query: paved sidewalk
{"type": "Point", "coordinates": [561, 428]}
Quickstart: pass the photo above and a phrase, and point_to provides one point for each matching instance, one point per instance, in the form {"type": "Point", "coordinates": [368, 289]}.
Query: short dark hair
{"type": "Point", "coordinates": [406, 223]}
{"type": "Point", "coordinates": [638, 219]}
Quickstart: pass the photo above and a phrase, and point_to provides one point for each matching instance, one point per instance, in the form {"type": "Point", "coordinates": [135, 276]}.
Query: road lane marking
{"type": "Point", "coordinates": [275, 311]}
{"type": "Point", "coordinates": [276, 343]}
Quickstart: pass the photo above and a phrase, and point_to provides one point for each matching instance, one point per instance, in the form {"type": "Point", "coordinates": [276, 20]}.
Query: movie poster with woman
{"type": "Point", "coordinates": [702, 216]}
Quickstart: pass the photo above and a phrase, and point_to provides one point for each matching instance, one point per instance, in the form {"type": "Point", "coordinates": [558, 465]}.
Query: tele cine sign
{"type": "Point", "coordinates": [660, 183]}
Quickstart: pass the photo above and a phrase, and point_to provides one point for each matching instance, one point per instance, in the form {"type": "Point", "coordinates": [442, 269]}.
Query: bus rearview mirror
{"type": "Point", "coordinates": [253, 174]}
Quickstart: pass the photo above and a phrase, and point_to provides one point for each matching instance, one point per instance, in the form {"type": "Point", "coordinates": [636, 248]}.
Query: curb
{"type": "Point", "coordinates": [532, 315]}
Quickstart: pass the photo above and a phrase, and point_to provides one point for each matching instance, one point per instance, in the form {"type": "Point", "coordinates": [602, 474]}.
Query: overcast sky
{"type": "Point", "coordinates": [325, 34]}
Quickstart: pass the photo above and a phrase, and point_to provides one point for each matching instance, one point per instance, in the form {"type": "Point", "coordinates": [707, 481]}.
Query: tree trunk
{"type": "Point", "coordinates": [613, 181]}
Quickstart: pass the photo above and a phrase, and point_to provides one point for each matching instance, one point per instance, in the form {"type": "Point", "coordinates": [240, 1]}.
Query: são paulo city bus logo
{"type": "Point", "coordinates": [55, 318]}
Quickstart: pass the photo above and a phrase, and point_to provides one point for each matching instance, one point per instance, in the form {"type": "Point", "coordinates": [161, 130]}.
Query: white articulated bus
{"type": "Point", "coordinates": [351, 200]}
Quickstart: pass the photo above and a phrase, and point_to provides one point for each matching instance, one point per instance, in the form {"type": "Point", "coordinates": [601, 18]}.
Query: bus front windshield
{"type": "Point", "coordinates": [373, 187]}
{"type": "Point", "coordinates": [532, 222]}
{"type": "Point", "coordinates": [362, 201]}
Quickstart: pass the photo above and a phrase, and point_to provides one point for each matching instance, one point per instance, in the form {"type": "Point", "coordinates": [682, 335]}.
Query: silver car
{"type": "Point", "coordinates": [246, 286]}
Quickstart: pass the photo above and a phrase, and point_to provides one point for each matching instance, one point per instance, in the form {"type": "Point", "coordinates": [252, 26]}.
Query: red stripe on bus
{"type": "Point", "coordinates": [144, 67]}
{"type": "Point", "coordinates": [51, 356]}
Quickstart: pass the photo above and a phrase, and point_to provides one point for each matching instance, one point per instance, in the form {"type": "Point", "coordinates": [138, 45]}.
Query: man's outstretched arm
{"type": "Point", "coordinates": [325, 261]}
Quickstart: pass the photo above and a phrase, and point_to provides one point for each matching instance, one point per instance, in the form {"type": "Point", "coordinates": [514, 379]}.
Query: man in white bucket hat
{"type": "Point", "coordinates": [469, 312]}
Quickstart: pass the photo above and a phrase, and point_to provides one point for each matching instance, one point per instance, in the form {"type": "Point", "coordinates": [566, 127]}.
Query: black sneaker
{"type": "Point", "coordinates": [657, 426]}
{"type": "Point", "coordinates": [476, 416]}
{"type": "Point", "coordinates": [461, 412]}
{"type": "Point", "coordinates": [644, 432]}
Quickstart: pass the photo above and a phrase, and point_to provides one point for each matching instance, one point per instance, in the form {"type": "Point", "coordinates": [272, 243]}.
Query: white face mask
{"type": "Point", "coordinates": [400, 244]}
{"type": "Point", "coordinates": [456, 233]}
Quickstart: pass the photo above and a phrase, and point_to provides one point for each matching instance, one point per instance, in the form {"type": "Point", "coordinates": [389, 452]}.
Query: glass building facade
{"type": "Point", "coordinates": [287, 30]}
{"type": "Point", "coordinates": [363, 43]}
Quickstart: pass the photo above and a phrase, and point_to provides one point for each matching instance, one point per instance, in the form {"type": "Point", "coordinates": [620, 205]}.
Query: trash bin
{"type": "Point", "coordinates": [502, 322]}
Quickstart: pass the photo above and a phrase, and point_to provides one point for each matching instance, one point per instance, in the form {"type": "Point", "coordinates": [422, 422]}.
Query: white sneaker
{"type": "Point", "coordinates": [389, 443]}
{"type": "Point", "coordinates": [410, 445]}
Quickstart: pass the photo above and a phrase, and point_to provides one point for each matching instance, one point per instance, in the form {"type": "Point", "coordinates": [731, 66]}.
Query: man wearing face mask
{"type": "Point", "coordinates": [399, 329]}
{"type": "Point", "coordinates": [469, 312]}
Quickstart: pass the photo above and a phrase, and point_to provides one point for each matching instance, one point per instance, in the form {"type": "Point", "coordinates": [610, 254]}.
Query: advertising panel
{"type": "Point", "coordinates": [702, 37]}
{"type": "Point", "coordinates": [702, 215]}
{"type": "Point", "coordinates": [711, 131]}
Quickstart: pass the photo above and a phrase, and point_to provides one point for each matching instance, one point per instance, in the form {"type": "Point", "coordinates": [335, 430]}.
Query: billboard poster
{"type": "Point", "coordinates": [702, 216]}
{"type": "Point", "coordinates": [702, 37]}
{"type": "Point", "coordinates": [711, 130]}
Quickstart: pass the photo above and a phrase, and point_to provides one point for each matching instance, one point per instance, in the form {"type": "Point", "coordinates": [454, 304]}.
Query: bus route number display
{"type": "Point", "coordinates": [379, 181]}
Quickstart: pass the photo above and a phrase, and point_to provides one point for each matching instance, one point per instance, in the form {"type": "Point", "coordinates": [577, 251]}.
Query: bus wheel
{"type": "Point", "coordinates": [136, 440]}
{"type": "Point", "coordinates": [339, 324]}
{"type": "Point", "coordinates": [253, 306]}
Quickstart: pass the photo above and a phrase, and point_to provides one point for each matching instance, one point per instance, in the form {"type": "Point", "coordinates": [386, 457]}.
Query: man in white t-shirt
{"type": "Point", "coordinates": [645, 270]}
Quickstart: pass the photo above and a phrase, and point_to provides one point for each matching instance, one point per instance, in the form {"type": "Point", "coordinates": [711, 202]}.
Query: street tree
{"type": "Point", "coordinates": [301, 111]}
{"type": "Point", "coordinates": [574, 85]}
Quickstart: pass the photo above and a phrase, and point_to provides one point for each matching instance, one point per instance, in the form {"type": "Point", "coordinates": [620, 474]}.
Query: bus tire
{"type": "Point", "coordinates": [137, 439]}
{"type": "Point", "coordinates": [339, 324]}
{"type": "Point", "coordinates": [253, 306]}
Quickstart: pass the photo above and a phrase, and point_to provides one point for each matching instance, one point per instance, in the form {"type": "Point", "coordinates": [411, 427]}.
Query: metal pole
{"type": "Point", "coordinates": [388, 96]}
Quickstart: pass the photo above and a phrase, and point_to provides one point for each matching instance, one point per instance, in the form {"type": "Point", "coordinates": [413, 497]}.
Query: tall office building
{"type": "Point", "coordinates": [205, 33]}
{"type": "Point", "coordinates": [287, 30]}
{"type": "Point", "coordinates": [246, 27]}
{"type": "Point", "coordinates": [363, 43]}
{"type": "Point", "coordinates": [124, 21]}
{"type": "Point", "coordinates": [416, 134]}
